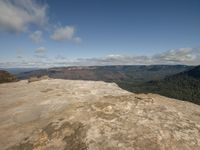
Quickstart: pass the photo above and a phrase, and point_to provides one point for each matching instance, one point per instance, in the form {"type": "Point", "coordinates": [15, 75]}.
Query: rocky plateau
{"type": "Point", "coordinates": [56, 114]}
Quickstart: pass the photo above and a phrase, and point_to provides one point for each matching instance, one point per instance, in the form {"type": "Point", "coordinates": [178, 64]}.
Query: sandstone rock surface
{"type": "Point", "coordinates": [77, 115]}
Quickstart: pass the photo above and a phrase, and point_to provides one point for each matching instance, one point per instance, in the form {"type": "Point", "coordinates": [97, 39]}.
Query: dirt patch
{"type": "Point", "coordinates": [37, 78]}
{"type": "Point", "coordinates": [103, 115]}
{"type": "Point", "coordinates": [71, 134]}
{"type": "Point", "coordinates": [22, 146]}
{"type": "Point", "coordinates": [75, 141]}
{"type": "Point", "coordinates": [46, 90]}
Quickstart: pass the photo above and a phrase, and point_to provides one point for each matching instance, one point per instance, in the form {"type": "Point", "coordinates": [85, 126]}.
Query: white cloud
{"type": "Point", "coordinates": [17, 15]}
{"type": "Point", "coordinates": [66, 33]}
{"type": "Point", "coordinates": [179, 56]}
{"type": "Point", "coordinates": [19, 56]}
{"type": "Point", "coordinates": [77, 39]}
{"type": "Point", "coordinates": [114, 60]}
{"type": "Point", "coordinates": [60, 57]}
{"type": "Point", "coordinates": [40, 50]}
{"type": "Point", "coordinates": [36, 36]}
{"type": "Point", "coordinates": [185, 56]}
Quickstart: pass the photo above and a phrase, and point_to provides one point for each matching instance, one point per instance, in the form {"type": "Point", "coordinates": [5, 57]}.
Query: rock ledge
{"type": "Point", "coordinates": [78, 115]}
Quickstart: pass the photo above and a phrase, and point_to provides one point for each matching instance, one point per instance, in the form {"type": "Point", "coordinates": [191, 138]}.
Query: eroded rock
{"type": "Point", "coordinates": [87, 115]}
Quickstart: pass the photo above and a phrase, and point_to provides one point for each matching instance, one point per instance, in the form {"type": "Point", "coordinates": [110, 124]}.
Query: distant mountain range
{"type": "Point", "coordinates": [18, 70]}
{"type": "Point", "coordinates": [176, 81]}
{"type": "Point", "coordinates": [109, 73]}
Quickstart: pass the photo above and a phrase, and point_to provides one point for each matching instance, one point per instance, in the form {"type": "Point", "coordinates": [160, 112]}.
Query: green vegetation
{"type": "Point", "coordinates": [37, 78]}
{"type": "Point", "coordinates": [6, 77]}
{"type": "Point", "coordinates": [183, 86]}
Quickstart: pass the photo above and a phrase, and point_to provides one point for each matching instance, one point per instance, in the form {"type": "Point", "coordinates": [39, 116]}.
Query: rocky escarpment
{"type": "Point", "coordinates": [94, 115]}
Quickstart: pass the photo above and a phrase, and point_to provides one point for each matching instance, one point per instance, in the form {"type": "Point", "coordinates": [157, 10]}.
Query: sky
{"type": "Point", "coordinates": [48, 33]}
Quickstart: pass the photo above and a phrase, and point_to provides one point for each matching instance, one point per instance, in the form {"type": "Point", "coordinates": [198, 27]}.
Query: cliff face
{"type": "Point", "coordinates": [94, 115]}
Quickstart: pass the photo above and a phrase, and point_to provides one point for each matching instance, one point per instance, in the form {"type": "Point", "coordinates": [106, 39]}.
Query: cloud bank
{"type": "Point", "coordinates": [40, 52]}
{"type": "Point", "coordinates": [179, 56]}
{"type": "Point", "coordinates": [185, 56]}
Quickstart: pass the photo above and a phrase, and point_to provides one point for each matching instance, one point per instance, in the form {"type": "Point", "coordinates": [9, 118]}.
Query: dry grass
{"type": "Point", "coordinates": [33, 79]}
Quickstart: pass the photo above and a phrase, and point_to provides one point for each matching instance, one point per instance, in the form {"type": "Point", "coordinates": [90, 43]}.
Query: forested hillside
{"type": "Point", "coordinates": [183, 86]}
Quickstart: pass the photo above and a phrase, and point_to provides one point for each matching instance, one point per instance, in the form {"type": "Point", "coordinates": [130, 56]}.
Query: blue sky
{"type": "Point", "coordinates": [46, 33]}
